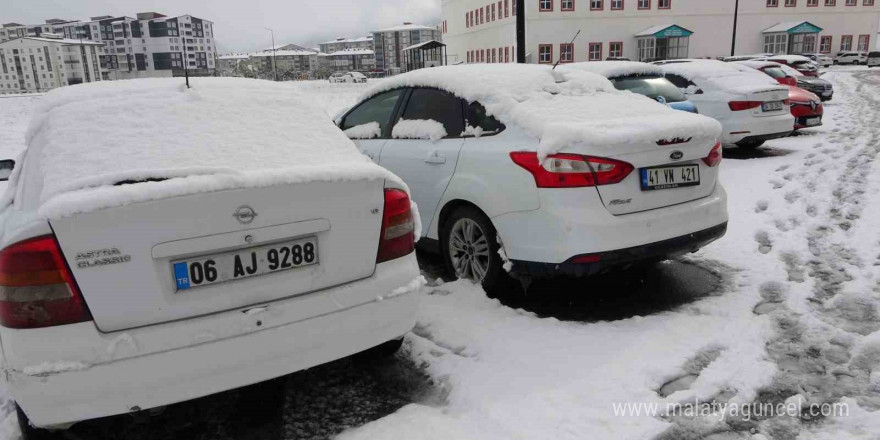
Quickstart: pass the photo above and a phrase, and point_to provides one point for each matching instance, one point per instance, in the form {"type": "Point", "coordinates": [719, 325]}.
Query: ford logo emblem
{"type": "Point", "coordinates": [676, 155]}
{"type": "Point", "coordinates": [245, 214]}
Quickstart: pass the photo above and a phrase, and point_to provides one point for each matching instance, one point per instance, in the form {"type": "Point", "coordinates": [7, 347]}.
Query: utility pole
{"type": "Point", "coordinates": [185, 63]}
{"type": "Point", "coordinates": [520, 31]}
{"type": "Point", "coordinates": [735, 18]}
{"type": "Point", "coordinates": [274, 60]}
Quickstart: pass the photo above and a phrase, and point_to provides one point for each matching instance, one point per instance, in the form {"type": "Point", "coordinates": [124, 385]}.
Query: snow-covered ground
{"type": "Point", "coordinates": [790, 319]}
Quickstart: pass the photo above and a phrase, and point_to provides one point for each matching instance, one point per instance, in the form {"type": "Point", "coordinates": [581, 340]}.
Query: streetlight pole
{"type": "Point", "coordinates": [274, 60]}
{"type": "Point", "coordinates": [735, 18]}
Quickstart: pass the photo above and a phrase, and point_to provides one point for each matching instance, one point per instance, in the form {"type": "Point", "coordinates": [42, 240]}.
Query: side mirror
{"type": "Point", "coordinates": [6, 167]}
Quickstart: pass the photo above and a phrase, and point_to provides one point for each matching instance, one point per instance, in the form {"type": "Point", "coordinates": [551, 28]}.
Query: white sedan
{"type": "Point", "coordinates": [751, 106]}
{"type": "Point", "coordinates": [172, 255]}
{"type": "Point", "coordinates": [349, 77]}
{"type": "Point", "coordinates": [539, 172]}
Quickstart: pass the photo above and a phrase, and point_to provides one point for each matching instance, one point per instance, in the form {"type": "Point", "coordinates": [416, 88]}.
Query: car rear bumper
{"type": "Point", "coordinates": [802, 121]}
{"type": "Point", "coordinates": [118, 373]}
{"type": "Point", "coordinates": [757, 127]}
{"type": "Point", "coordinates": [764, 137]}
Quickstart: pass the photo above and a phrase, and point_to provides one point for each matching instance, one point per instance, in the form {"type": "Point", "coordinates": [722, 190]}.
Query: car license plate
{"type": "Point", "coordinates": [213, 269]}
{"type": "Point", "coordinates": [772, 106]}
{"type": "Point", "coordinates": [813, 122]}
{"type": "Point", "coordinates": [826, 93]}
{"type": "Point", "coordinates": [668, 177]}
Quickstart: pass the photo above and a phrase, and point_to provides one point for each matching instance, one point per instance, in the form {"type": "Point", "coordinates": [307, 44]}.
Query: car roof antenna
{"type": "Point", "coordinates": [560, 50]}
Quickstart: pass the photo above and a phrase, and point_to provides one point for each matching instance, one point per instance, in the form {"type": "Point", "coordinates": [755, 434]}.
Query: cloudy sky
{"type": "Point", "coordinates": [239, 23]}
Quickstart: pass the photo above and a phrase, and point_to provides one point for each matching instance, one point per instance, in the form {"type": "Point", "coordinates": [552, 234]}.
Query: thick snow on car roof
{"type": "Point", "coordinates": [222, 133]}
{"type": "Point", "coordinates": [617, 69]}
{"type": "Point", "coordinates": [789, 58]}
{"type": "Point", "coordinates": [714, 74]}
{"type": "Point", "coordinates": [563, 108]}
{"type": "Point", "coordinates": [756, 64]}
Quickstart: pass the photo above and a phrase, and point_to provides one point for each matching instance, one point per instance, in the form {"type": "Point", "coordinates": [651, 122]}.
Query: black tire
{"type": "Point", "coordinates": [749, 145]}
{"type": "Point", "coordinates": [382, 351]}
{"type": "Point", "coordinates": [496, 281]}
{"type": "Point", "coordinates": [28, 432]}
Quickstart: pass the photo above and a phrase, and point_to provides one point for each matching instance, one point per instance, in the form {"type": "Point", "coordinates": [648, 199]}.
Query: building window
{"type": "Point", "coordinates": [868, 3]}
{"type": "Point", "coordinates": [664, 4]}
{"type": "Point", "coordinates": [790, 3]}
{"type": "Point", "coordinates": [830, 2]}
{"type": "Point", "coordinates": [566, 53]}
{"type": "Point", "coordinates": [595, 52]}
{"type": "Point", "coordinates": [846, 43]}
{"type": "Point", "coordinates": [567, 5]}
{"type": "Point", "coordinates": [500, 11]}
{"type": "Point", "coordinates": [545, 53]}
{"type": "Point", "coordinates": [507, 54]}
{"type": "Point", "coordinates": [494, 55]}
{"type": "Point", "coordinates": [776, 43]}
{"type": "Point", "coordinates": [597, 5]}
{"type": "Point", "coordinates": [825, 44]}
{"type": "Point", "coordinates": [644, 4]}
{"type": "Point", "coordinates": [545, 5]}
{"type": "Point", "coordinates": [851, 2]}
{"type": "Point", "coordinates": [864, 40]}
{"type": "Point", "coordinates": [812, 3]}
{"type": "Point", "coordinates": [493, 11]}
{"type": "Point", "coordinates": [616, 5]}
{"type": "Point", "coordinates": [507, 8]}
{"type": "Point", "coordinates": [615, 49]}
{"type": "Point", "coordinates": [772, 3]}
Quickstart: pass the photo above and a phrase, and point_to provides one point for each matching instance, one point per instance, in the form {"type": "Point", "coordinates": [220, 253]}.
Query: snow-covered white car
{"type": "Point", "coordinates": [851, 58]}
{"type": "Point", "coordinates": [751, 106]}
{"type": "Point", "coordinates": [802, 64]}
{"type": "Point", "coordinates": [541, 171]}
{"type": "Point", "coordinates": [873, 59]}
{"type": "Point", "coordinates": [348, 77]}
{"type": "Point", "coordinates": [821, 59]}
{"type": "Point", "coordinates": [208, 239]}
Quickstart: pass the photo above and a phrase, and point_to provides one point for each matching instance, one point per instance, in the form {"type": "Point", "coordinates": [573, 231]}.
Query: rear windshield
{"type": "Point", "coordinates": [775, 72]}
{"type": "Point", "coordinates": [650, 86]}
{"type": "Point", "coordinates": [874, 54]}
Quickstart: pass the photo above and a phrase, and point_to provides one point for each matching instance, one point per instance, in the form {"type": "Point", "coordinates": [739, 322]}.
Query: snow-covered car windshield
{"type": "Point", "coordinates": [652, 87]}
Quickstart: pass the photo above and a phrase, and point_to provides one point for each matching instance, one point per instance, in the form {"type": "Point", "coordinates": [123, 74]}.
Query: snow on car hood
{"type": "Point", "coordinates": [220, 134]}
{"type": "Point", "coordinates": [713, 75]}
{"type": "Point", "coordinates": [616, 69]}
{"type": "Point", "coordinates": [564, 108]}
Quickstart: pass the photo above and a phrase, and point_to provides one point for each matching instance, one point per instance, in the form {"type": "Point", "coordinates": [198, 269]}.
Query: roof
{"type": "Point", "coordinates": [234, 56]}
{"type": "Point", "coordinates": [349, 52]}
{"type": "Point", "coordinates": [432, 44]}
{"type": "Point", "coordinates": [788, 58]}
{"type": "Point", "coordinates": [65, 41]}
{"type": "Point", "coordinates": [616, 69]}
{"type": "Point", "coordinates": [12, 25]}
{"type": "Point", "coordinates": [260, 133]}
{"type": "Point", "coordinates": [665, 30]}
{"type": "Point", "coordinates": [350, 40]}
{"type": "Point", "coordinates": [756, 64]}
{"type": "Point", "coordinates": [283, 53]}
{"type": "Point", "coordinates": [407, 27]}
{"type": "Point", "coordinates": [565, 109]}
{"type": "Point", "coordinates": [793, 27]}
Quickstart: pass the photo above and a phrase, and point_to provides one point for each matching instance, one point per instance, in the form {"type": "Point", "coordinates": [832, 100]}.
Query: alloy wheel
{"type": "Point", "coordinates": [469, 250]}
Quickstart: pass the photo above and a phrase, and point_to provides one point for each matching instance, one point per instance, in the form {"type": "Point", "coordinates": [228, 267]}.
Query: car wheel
{"type": "Point", "coordinates": [749, 145]}
{"type": "Point", "coordinates": [28, 432]}
{"type": "Point", "coordinates": [470, 250]}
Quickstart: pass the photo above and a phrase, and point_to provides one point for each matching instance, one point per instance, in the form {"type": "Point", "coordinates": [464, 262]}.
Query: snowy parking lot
{"type": "Point", "coordinates": [772, 332]}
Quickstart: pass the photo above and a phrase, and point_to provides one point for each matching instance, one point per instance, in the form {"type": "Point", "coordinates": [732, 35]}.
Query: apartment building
{"type": "Point", "coordinates": [389, 44]}
{"type": "Point", "coordinates": [481, 31]}
{"type": "Point", "coordinates": [40, 64]}
{"type": "Point", "coordinates": [364, 43]}
{"type": "Point", "coordinates": [287, 60]}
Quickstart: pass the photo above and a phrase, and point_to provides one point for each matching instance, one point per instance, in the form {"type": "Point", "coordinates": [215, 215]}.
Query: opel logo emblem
{"type": "Point", "coordinates": [676, 155]}
{"type": "Point", "coordinates": [245, 214]}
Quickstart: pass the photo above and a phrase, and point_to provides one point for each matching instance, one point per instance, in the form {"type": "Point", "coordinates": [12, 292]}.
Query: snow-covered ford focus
{"type": "Point", "coordinates": [199, 240]}
{"type": "Point", "coordinates": [543, 171]}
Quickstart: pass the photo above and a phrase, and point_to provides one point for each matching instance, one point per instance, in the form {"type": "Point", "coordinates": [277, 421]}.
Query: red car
{"type": "Point", "coordinates": [800, 63]}
{"type": "Point", "coordinates": [806, 106]}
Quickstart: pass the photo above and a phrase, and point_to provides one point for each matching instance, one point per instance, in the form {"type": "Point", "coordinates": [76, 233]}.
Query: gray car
{"type": "Point", "coordinates": [819, 86]}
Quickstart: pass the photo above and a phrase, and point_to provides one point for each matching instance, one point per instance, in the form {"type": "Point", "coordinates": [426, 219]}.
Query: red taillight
{"type": "Point", "coordinates": [714, 157]}
{"type": "Point", "coordinates": [36, 286]}
{"type": "Point", "coordinates": [743, 105]}
{"type": "Point", "coordinates": [398, 229]}
{"type": "Point", "coordinates": [572, 170]}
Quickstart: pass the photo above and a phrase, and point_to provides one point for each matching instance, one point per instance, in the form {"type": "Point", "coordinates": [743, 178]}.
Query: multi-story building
{"type": "Point", "coordinates": [11, 31]}
{"type": "Point", "coordinates": [346, 44]}
{"type": "Point", "coordinates": [291, 61]}
{"type": "Point", "coordinates": [389, 44]}
{"type": "Point", "coordinates": [481, 31]}
{"type": "Point", "coordinates": [39, 64]}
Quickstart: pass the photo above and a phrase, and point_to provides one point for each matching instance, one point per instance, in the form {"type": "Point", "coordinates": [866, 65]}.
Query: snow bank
{"type": "Point", "coordinates": [418, 129]}
{"type": "Point", "coordinates": [220, 134]}
{"type": "Point", "coordinates": [616, 69]}
{"type": "Point", "coordinates": [563, 109]}
{"type": "Point", "coordinates": [712, 75]}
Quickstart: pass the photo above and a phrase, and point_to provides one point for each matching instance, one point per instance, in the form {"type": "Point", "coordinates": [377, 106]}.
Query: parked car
{"type": "Point", "coordinates": [593, 178]}
{"type": "Point", "coordinates": [751, 107]}
{"type": "Point", "coordinates": [745, 57]}
{"type": "Point", "coordinates": [851, 58]}
{"type": "Point", "coordinates": [348, 77]}
{"type": "Point", "coordinates": [802, 64]}
{"type": "Point", "coordinates": [200, 255]}
{"type": "Point", "coordinates": [617, 59]}
{"type": "Point", "coordinates": [873, 59]}
{"type": "Point", "coordinates": [806, 107]}
{"type": "Point", "coordinates": [821, 59]}
{"type": "Point", "coordinates": [641, 78]}
{"type": "Point", "coordinates": [821, 87]}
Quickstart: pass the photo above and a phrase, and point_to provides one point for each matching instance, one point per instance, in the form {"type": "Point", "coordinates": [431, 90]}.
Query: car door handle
{"type": "Point", "coordinates": [435, 160]}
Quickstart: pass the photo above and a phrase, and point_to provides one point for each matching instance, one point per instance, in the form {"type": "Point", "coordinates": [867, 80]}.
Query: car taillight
{"type": "Point", "coordinates": [786, 102]}
{"type": "Point", "coordinates": [743, 105]}
{"type": "Point", "coordinates": [36, 286]}
{"type": "Point", "coordinates": [572, 170]}
{"type": "Point", "coordinates": [714, 157]}
{"type": "Point", "coordinates": [398, 229]}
